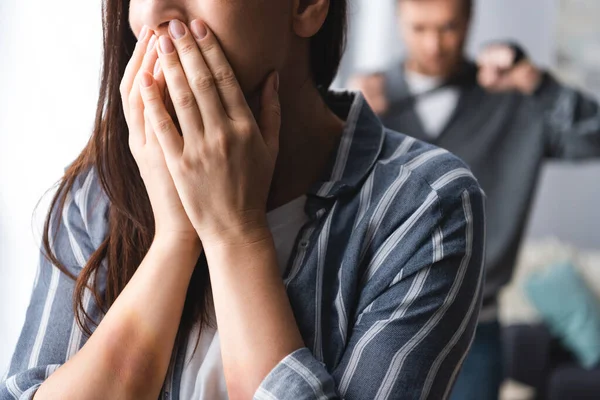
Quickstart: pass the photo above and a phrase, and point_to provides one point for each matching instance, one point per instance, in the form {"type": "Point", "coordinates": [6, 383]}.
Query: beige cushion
{"type": "Point", "coordinates": [513, 390]}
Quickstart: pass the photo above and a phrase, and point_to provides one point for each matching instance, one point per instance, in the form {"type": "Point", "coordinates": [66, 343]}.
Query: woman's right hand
{"type": "Point", "coordinates": [171, 220]}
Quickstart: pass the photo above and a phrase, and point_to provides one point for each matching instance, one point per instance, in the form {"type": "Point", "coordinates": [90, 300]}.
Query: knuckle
{"type": "Point", "coordinates": [186, 165]}
{"type": "Point", "coordinates": [187, 48]}
{"type": "Point", "coordinates": [151, 96]}
{"type": "Point", "coordinates": [202, 152]}
{"type": "Point", "coordinates": [202, 82]}
{"type": "Point", "coordinates": [245, 129]}
{"type": "Point", "coordinates": [207, 46]}
{"type": "Point", "coordinates": [225, 77]}
{"type": "Point", "coordinates": [185, 100]}
{"type": "Point", "coordinates": [223, 145]}
{"type": "Point", "coordinates": [276, 108]}
{"type": "Point", "coordinates": [169, 62]}
{"type": "Point", "coordinates": [164, 126]}
{"type": "Point", "coordinates": [134, 105]}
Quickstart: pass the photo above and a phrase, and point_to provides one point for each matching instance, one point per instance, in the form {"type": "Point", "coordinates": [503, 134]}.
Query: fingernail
{"type": "Point", "coordinates": [276, 81]}
{"type": "Point", "coordinates": [176, 29]}
{"type": "Point", "coordinates": [198, 29]}
{"type": "Point", "coordinates": [146, 80]}
{"type": "Point", "coordinates": [151, 44]}
{"type": "Point", "coordinates": [143, 33]}
{"type": "Point", "coordinates": [166, 45]}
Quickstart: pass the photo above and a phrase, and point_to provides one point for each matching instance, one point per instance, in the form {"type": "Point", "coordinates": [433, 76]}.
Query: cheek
{"type": "Point", "coordinates": [452, 44]}
{"type": "Point", "coordinates": [412, 40]}
{"type": "Point", "coordinates": [253, 49]}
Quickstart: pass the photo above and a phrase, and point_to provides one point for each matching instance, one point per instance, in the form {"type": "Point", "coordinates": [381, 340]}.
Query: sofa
{"type": "Point", "coordinates": [535, 359]}
{"type": "Point", "coordinates": [537, 364]}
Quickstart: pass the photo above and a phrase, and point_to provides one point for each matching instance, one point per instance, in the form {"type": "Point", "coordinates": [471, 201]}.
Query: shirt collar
{"type": "Point", "coordinates": [358, 148]}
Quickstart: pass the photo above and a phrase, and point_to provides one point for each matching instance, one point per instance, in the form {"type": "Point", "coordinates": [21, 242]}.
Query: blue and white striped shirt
{"type": "Point", "coordinates": [385, 279]}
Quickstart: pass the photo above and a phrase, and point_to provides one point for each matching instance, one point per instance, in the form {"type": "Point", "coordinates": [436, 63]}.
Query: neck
{"type": "Point", "coordinates": [309, 134]}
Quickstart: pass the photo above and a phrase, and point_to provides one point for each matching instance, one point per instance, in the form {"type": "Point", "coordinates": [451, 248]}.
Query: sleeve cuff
{"type": "Point", "coordinates": [548, 91]}
{"type": "Point", "coordinates": [299, 376]}
{"type": "Point", "coordinates": [29, 393]}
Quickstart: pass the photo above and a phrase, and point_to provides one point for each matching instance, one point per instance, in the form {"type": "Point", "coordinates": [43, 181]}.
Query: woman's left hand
{"type": "Point", "coordinates": [222, 162]}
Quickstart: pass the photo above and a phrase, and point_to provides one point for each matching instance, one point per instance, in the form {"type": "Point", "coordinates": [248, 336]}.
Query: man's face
{"type": "Point", "coordinates": [434, 32]}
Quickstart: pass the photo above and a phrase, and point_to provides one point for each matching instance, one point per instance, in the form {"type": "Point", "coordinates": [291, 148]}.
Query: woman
{"type": "Point", "coordinates": [336, 258]}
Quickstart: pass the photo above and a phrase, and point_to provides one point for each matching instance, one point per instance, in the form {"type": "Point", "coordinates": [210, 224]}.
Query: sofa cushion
{"type": "Point", "coordinates": [570, 310]}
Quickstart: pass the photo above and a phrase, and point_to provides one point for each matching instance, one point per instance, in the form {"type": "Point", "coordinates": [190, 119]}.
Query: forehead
{"type": "Point", "coordinates": [431, 11]}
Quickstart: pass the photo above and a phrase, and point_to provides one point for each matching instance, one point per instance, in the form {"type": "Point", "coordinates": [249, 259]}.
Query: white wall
{"type": "Point", "coordinates": [49, 84]}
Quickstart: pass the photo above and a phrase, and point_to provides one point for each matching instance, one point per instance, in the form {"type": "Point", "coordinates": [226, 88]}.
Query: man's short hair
{"type": "Point", "coordinates": [468, 4]}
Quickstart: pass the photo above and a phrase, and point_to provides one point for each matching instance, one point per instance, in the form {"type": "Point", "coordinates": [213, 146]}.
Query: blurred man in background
{"type": "Point", "coordinates": [503, 115]}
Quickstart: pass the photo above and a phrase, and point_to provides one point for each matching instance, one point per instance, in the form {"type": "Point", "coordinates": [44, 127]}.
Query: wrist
{"type": "Point", "coordinates": [170, 241]}
{"type": "Point", "coordinates": [243, 230]}
{"type": "Point", "coordinates": [239, 236]}
{"type": "Point", "coordinates": [530, 78]}
{"type": "Point", "coordinates": [230, 250]}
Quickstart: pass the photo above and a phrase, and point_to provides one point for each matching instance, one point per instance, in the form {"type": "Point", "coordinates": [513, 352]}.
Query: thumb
{"type": "Point", "coordinates": [488, 77]}
{"type": "Point", "coordinates": [270, 112]}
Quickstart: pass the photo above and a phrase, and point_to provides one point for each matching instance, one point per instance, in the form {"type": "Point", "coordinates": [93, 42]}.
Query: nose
{"type": "Point", "coordinates": [433, 44]}
{"type": "Point", "coordinates": [156, 14]}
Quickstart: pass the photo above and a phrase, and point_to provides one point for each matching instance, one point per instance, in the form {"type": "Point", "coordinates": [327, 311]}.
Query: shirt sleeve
{"type": "Point", "coordinates": [571, 119]}
{"type": "Point", "coordinates": [50, 335]}
{"type": "Point", "coordinates": [410, 341]}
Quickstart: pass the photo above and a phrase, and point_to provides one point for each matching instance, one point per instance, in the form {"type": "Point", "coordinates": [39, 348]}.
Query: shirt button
{"type": "Point", "coordinates": [304, 244]}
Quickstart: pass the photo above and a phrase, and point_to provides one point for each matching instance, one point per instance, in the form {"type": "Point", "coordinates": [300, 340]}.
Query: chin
{"type": "Point", "coordinates": [433, 70]}
{"type": "Point", "coordinates": [437, 69]}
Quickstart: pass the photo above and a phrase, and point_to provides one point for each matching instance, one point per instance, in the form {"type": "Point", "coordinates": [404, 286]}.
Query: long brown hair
{"type": "Point", "coordinates": [130, 217]}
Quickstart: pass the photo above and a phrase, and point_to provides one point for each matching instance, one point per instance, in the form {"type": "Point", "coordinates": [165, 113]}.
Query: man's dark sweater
{"type": "Point", "coordinates": [505, 138]}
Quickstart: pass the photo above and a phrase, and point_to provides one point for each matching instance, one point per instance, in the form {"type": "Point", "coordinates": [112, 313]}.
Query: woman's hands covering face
{"type": "Point", "coordinates": [220, 159]}
{"type": "Point", "coordinates": [171, 221]}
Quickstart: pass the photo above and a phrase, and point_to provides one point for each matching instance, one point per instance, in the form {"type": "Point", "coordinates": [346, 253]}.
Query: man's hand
{"type": "Point", "coordinates": [498, 71]}
{"type": "Point", "coordinates": [373, 88]}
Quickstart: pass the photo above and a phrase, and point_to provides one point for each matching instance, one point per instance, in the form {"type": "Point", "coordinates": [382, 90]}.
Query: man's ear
{"type": "Point", "coordinates": [309, 16]}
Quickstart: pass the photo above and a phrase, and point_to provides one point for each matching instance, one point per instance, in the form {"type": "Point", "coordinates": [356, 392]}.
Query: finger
{"type": "Point", "coordinates": [162, 124]}
{"type": "Point", "coordinates": [229, 90]}
{"type": "Point", "coordinates": [159, 77]}
{"type": "Point", "coordinates": [270, 113]}
{"type": "Point", "coordinates": [133, 66]}
{"type": "Point", "coordinates": [504, 57]}
{"type": "Point", "coordinates": [184, 101]}
{"type": "Point", "coordinates": [148, 129]}
{"type": "Point", "coordinates": [199, 76]}
{"type": "Point", "coordinates": [488, 58]}
{"type": "Point", "coordinates": [493, 80]}
{"type": "Point", "coordinates": [488, 77]}
{"type": "Point", "coordinates": [500, 56]}
{"type": "Point", "coordinates": [135, 103]}
{"type": "Point", "coordinates": [482, 58]}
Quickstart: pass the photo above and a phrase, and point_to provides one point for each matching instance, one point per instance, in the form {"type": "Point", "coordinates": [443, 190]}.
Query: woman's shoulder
{"type": "Point", "coordinates": [86, 205]}
{"type": "Point", "coordinates": [427, 168]}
